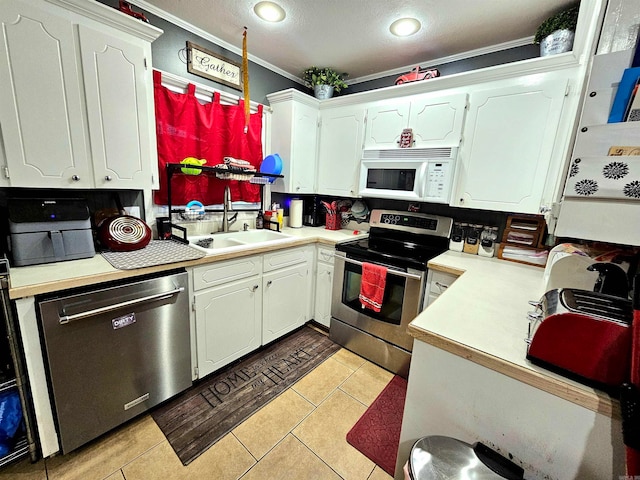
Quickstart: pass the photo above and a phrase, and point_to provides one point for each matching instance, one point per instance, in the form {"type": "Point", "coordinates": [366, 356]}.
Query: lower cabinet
{"type": "Point", "coordinates": [324, 286]}
{"type": "Point", "coordinates": [238, 308]}
{"type": "Point", "coordinates": [228, 323]}
{"type": "Point", "coordinates": [437, 283]}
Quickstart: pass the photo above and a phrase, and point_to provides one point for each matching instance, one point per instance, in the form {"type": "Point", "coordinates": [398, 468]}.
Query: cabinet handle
{"type": "Point", "coordinates": [462, 200]}
{"type": "Point", "coordinates": [75, 178]}
{"type": "Point", "coordinates": [269, 283]}
{"type": "Point", "coordinates": [441, 286]}
{"type": "Point", "coordinates": [255, 287]}
{"type": "Point", "coordinates": [108, 178]}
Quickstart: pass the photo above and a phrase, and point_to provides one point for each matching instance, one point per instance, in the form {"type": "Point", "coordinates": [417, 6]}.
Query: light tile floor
{"type": "Point", "coordinates": [299, 435]}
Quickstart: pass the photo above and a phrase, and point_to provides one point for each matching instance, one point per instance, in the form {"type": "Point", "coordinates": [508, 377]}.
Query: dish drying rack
{"type": "Point", "coordinates": [223, 173]}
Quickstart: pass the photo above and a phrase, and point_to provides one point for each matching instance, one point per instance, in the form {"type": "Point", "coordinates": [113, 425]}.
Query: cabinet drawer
{"type": "Point", "coordinates": [226, 271]}
{"type": "Point", "coordinates": [440, 281]}
{"type": "Point", "coordinates": [326, 255]}
{"type": "Point", "coordinates": [284, 258]}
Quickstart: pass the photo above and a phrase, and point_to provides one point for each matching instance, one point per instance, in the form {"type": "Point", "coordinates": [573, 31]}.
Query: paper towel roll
{"type": "Point", "coordinates": [295, 214]}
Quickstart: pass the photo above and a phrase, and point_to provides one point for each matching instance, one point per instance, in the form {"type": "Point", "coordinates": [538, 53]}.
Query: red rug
{"type": "Point", "coordinates": [377, 433]}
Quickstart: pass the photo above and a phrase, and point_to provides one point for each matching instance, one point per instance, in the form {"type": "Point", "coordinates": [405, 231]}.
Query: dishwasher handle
{"type": "Point", "coordinates": [97, 311]}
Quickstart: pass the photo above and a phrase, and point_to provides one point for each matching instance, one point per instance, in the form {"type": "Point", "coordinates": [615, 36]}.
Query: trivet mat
{"type": "Point", "coordinates": [199, 417]}
{"type": "Point", "coordinates": [157, 252]}
{"type": "Point", "coordinates": [377, 433]}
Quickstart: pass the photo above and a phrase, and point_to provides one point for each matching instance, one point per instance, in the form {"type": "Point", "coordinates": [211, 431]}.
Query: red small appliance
{"type": "Point", "coordinates": [583, 335]}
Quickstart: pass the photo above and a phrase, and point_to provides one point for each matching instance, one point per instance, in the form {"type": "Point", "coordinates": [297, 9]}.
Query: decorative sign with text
{"type": "Point", "coordinates": [207, 64]}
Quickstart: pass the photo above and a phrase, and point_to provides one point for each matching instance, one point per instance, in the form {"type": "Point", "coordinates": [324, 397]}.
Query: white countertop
{"type": "Point", "coordinates": [51, 277]}
{"type": "Point", "coordinates": [482, 316]}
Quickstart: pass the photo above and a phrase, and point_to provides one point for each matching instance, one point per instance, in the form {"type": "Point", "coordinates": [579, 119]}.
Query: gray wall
{"type": "Point", "coordinates": [168, 55]}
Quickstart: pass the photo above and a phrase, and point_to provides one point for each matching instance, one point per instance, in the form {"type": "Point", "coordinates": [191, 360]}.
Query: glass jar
{"type": "Point", "coordinates": [488, 239]}
{"type": "Point", "coordinates": [456, 240]}
{"type": "Point", "coordinates": [472, 239]}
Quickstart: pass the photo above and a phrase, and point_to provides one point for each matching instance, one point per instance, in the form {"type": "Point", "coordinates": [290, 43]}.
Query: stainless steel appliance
{"type": "Point", "coordinates": [414, 174]}
{"type": "Point", "coordinates": [114, 352]}
{"type": "Point", "coordinates": [45, 230]}
{"type": "Point", "coordinates": [403, 242]}
{"type": "Point", "coordinates": [583, 335]}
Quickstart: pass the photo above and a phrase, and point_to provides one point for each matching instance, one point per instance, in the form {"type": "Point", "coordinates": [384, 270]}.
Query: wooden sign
{"type": "Point", "coordinates": [207, 64]}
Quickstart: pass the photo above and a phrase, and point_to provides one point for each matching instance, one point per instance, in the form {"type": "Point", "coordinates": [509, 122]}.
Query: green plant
{"type": "Point", "coordinates": [564, 20]}
{"type": "Point", "coordinates": [324, 76]}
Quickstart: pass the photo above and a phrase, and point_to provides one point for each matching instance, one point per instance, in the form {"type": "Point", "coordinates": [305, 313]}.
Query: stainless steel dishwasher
{"type": "Point", "coordinates": [115, 352]}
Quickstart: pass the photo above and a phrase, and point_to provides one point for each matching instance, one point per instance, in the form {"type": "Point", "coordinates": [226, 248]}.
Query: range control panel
{"type": "Point", "coordinates": [412, 222]}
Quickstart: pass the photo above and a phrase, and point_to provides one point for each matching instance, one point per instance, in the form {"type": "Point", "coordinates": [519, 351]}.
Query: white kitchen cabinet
{"type": "Point", "coordinates": [81, 116]}
{"type": "Point", "coordinates": [437, 284]}
{"type": "Point", "coordinates": [294, 136]}
{"type": "Point", "coordinates": [324, 285]}
{"type": "Point", "coordinates": [227, 303]}
{"type": "Point", "coordinates": [340, 151]}
{"type": "Point", "coordinates": [434, 119]}
{"type": "Point", "coordinates": [508, 143]}
{"type": "Point", "coordinates": [286, 291]}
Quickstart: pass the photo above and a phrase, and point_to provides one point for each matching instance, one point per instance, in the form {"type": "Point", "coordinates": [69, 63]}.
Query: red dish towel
{"type": "Point", "coordinates": [374, 278]}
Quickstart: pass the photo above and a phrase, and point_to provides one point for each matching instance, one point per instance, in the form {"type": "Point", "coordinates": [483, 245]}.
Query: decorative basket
{"type": "Point", "coordinates": [333, 222]}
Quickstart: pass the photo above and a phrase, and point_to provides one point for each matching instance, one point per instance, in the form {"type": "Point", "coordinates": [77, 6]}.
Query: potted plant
{"type": "Point", "coordinates": [556, 33]}
{"type": "Point", "coordinates": [323, 80]}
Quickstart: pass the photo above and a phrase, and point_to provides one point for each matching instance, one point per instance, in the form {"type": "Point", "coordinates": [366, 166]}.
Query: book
{"type": "Point", "coordinates": [623, 94]}
{"type": "Point", "coordinates": [632, 113]}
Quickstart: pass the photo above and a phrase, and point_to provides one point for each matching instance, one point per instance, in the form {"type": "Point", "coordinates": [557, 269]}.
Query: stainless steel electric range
{"type": "Point", "coordinates": [403, 242]}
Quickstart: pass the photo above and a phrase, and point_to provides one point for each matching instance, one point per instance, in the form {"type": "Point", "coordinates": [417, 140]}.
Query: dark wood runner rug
{"type": "Point", "coordinates": [377, 433]}
{"type": "Point", "coordinates": [196, 419]}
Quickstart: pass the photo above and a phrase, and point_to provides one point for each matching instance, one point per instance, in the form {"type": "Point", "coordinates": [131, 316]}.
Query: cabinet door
{"type": "Point", "coordinates": [41, 114]}
{"type": "Point", "coordinates": [295, 138]}
{"type": "Point", "coordinates": [285, 301]}
{"type": "Point", "coordinates": [437, 120]}
{"type": "Point", "coordinates": [324, 285]}
{"type": "Point", "coordinates": [507, 146]}
{"type": "Point", "coordinates": [228, 323]}
{"type": "Point", "coordinates": [340, 151]}
{"type": "Point", "coordinates": [385, 123]}
{"type": "Point", "coordinates": [118, 92]}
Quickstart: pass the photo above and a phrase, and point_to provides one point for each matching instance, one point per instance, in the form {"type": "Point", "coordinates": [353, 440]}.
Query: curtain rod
{"type": "Point", "coordinates": [176, 82]}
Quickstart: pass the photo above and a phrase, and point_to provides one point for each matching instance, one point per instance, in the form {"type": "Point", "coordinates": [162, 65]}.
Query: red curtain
{"type": "Point", "coordinates": [212, 131]}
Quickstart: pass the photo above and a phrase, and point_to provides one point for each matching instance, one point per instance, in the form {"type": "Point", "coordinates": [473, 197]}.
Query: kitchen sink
{"type": "Point", "coordinates": [237, 240]}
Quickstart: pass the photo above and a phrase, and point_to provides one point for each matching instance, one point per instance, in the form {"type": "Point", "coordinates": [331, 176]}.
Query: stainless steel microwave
{"type": "Point", "coordinates": [415, 174]}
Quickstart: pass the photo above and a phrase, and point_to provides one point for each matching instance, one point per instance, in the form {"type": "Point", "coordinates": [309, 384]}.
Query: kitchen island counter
{"type": "Point", "coordinates": [483, 317]}
{"type": "Point", "coordinates": [470, 379]}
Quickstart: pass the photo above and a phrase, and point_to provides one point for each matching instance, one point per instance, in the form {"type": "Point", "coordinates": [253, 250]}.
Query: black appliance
{"type": "Point", "coordinates": [313, 213]}
{"type": "Point", "coordinates": [403, 242]}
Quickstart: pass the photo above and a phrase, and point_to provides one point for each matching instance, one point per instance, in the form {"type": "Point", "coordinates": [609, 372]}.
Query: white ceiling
{"type": "Point", "coordinates": [353, 35]}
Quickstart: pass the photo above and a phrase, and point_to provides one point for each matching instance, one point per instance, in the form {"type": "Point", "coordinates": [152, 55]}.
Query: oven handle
{"type": "Point", "coordinates": [78, 316]}
{"type": "Point", "coordinates": [392, 272]}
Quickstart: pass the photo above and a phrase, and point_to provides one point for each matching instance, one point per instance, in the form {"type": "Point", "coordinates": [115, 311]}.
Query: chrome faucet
{"type": "Point", "coordinates": [226, 208]}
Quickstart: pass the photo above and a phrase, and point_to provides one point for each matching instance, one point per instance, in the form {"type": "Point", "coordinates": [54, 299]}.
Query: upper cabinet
{"type": "Point", "coordinates": [81, 116]}
{"type": "Point", "coordinates": [340, 152]}
{"type": "Point", "coordinates": [294, 136]}
{"type": "Point", "coordinates": [435, 120]}
{"type": "Point", "coordinates": [508, 143]}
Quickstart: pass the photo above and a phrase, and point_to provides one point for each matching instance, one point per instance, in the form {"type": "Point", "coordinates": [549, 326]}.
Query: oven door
{"type": "Point", "coordinates": [401, 304]}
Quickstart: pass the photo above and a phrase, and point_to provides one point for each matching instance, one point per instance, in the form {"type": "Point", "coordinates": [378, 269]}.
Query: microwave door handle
{"type": "Point", "coordinates": [389, 271]}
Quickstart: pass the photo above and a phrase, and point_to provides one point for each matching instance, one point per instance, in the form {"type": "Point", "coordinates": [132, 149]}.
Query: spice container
{"type": "Point", "coordinates": [472, 239]}
{"type": "Point", "coordinates": [456, 241]}
{"type": "Point", "coordinates": [488, 239]}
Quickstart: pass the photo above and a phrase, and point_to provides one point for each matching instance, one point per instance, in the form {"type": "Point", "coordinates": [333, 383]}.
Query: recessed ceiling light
{"type": "Point", "coordinates": [405, 27]}
{"type": "Point", "coordinates": [269, 11]}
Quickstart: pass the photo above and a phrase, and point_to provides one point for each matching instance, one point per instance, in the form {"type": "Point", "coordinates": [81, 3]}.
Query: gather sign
{"type": "Point", "coordinates": [207, 64]}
